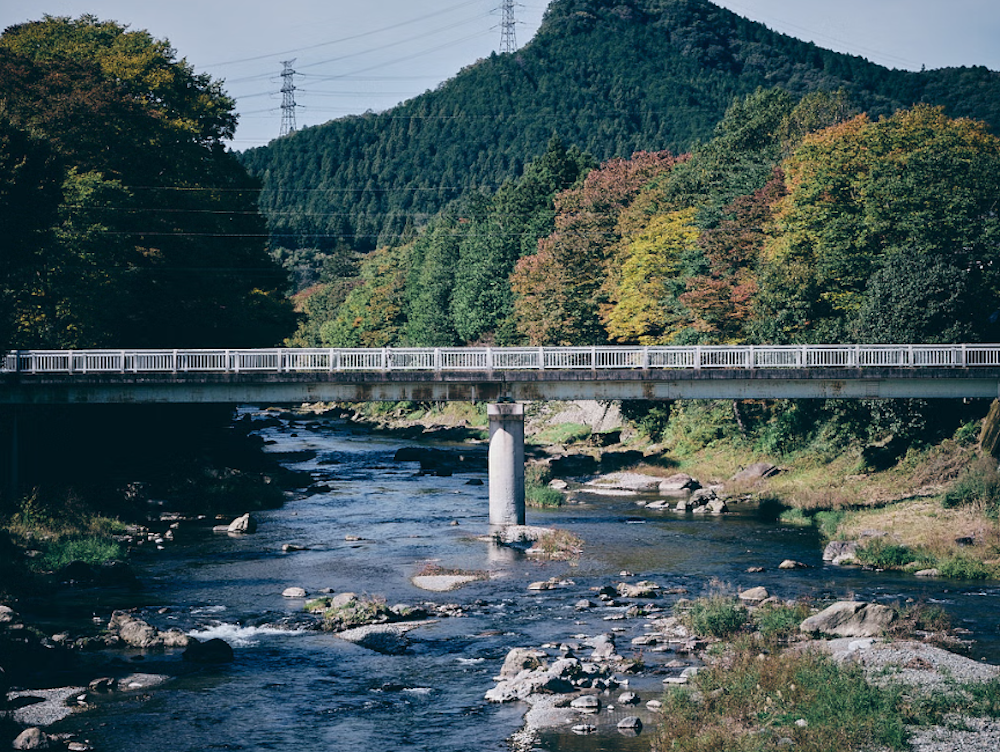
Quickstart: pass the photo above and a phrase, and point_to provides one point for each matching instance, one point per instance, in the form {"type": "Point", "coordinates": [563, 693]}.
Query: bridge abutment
{"type": "Point", "coordinates": [506, 463]}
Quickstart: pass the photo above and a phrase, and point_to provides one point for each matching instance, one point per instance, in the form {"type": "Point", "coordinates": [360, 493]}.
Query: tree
{"type": "Point", "coordinates": [503, 229]}
{"type": "Point", "coordinates": [645, 301]}
{"type": "Point", "coordinates": [917, 181]}
{"type": "Point", "coordinates": [30, 192]}
{"type": "Point", "coordinates": [560, 290]}
{"type": "Point", "coordinates": [159, 242]}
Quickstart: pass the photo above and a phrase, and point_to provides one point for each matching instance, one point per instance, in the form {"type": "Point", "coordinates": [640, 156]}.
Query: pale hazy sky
{"type": "Point", "coordinates": [371, 54]}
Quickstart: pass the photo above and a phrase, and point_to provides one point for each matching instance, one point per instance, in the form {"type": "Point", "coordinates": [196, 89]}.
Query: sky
{"type": "Point", "coordinates": [352, 56]}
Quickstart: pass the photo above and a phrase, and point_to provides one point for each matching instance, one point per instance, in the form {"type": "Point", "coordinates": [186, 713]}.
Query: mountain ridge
{"type": "Point", "coordinates": [610, 76]}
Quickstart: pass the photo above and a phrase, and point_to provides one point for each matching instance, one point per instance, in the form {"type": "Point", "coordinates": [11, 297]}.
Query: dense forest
{"type": "Point", "coordinates": [611, 77]}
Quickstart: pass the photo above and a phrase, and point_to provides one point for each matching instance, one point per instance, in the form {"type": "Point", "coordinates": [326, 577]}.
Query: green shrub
{"type": "Point", "coordinates": [978, 484]}
{"type": "Point", "coordinates": [776, 622]}
{"type": "Point", "coordinates": [961, 567]}
{"type": "Point", "coordinates": [884, 555]}
{"type": "Point", "coordinates": [89, 549]}
{"type": "Point", "coordinates": [542, 496]}
{"type": "Point", "coordinates": [828, 521]}
{"type": "Point", "coordinates": [715, 616]}
{"type": "Point", "coordinates": [794, 516]}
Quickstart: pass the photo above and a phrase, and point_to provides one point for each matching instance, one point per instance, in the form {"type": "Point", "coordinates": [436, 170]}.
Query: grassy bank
{"type": "Point", "coordinates": [761, 691]}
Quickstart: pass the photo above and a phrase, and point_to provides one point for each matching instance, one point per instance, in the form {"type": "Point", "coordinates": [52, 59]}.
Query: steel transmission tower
{"type": "Point", "coordinates": [287, 97]}
{"type": "Point", "coordinates": [508, 39]}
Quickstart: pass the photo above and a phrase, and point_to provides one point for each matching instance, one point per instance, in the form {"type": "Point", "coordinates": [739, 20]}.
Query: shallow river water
{"type": "Point", "coordinates": [293, 689]}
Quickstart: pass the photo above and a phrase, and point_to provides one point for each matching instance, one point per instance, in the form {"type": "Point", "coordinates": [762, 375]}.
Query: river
{"type": "Point", "coordinates": [292, 688]}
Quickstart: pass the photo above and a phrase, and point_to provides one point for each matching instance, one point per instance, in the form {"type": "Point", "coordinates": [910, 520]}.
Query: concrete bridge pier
{"type": "Point", "coordinates": [506, 463]}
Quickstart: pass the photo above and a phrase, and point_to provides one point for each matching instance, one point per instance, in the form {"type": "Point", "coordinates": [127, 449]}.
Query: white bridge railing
{"type": "Point", "coordinates": [456, 359]}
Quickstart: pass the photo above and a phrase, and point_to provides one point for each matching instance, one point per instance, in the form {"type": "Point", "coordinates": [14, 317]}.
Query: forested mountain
{"type": "Point", "coordinates": [608, 76]}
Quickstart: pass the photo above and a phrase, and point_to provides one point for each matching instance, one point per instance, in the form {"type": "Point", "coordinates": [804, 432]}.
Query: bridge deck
{"type": "Point", "coordinates": [260, 387]}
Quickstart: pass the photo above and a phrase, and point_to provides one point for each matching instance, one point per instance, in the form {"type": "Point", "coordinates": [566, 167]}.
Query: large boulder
{"type": "Point", "coordinates": [851, 619]}
{"type": "Point", "coordinates": [32, 738]}
{"type": "Point", "coordinates": [519, 659]}
{"type": "Point", "coordinates": [243, 525]}
{"type": "Point", "coordinates": [756, 471]}
{"type": "Point", "coordinates": [679, 482]}
{"type": "Point", "coordinates": [215, 650]}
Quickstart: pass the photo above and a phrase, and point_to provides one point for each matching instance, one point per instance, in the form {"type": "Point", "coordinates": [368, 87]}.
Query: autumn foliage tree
{"type": "Point", "coordinates": [560, 290]}
{"type": "Point", "coordinates": [860, 194]}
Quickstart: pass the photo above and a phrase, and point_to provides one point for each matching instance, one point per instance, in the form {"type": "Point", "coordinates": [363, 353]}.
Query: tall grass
{"type": "Point", "coordinates": [752, 701]}
{"type": "Point", "coordinates": [88, 549]}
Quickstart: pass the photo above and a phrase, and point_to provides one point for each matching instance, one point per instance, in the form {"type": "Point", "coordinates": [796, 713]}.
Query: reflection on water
{"type": "Point", "coordinates": [293, 688]}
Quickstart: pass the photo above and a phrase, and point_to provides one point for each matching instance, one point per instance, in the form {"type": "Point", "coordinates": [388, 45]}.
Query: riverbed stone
{"type": "Point", "coordinates": [32, 738]}
{"type": "Point", "coordinates": [133, 631]}
{"type": "Point", "coordinates": [836, 549]}
{"type": "Point", "coordinates": [754, 595]}
{"type": "Point", "coordinates": [293, 592]}
{"type": "Point", "coordinates": [586, 703]}
{"type": "Point", "coordinates": [643, 589]}
{"type": "Point", "coordinates": [756, 471]}
{"type": "Point", "coordinates": [441, 583]}
{"type": "Point", "coordinates": [211, 651]}
{"type": "Point", "coordinates": [792, 564]}
{"type": "Point", "coordinates": [519, 659]}
{"type": "Point", "coordinates": [630, 723]}
{"type": "Point", "coordinates": [7, 614]}
{"type": "Point", "coordinates": [851, 619]}
{"type": "Point", "coordinates": [932, 572]}
{"type": "Point", "coordinates": [678, 482]}
{"type": "Point", "coordinates": [244, 525]}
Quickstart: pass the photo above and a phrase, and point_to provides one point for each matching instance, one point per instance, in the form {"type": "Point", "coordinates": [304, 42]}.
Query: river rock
{"type": "Point", "coordinates": [32, 738]}
{"type": "Point", "coordinates": [215, 650]}
{"type": "Point", "coordinates": [756, 471]}
{"type": "Point", "coordinates": [7, 614]}
{"type": "Point", "coordinates": [134, 632]}
{"type": "Point", "coordinates": [755, 595]}
{"type": "Point", "coordinates": [586, 703]}
{"type": "Point", "coordinates": [519, 659]}
{"type": "Point", "coordinates": [293, 592]}
{"type": "Point", "coordinates": [792, 564]}
{"type": "Point", "coordinates": [604, 648]}
{"type": "Point", "coordinates": [243, 525]}
{"type": "Point", "coordinates": [628, 698]}
{"type": "Point", "coordinates": [630, 723]}
{"type": "Point", "coordinates": [643, 589]}
{"type": "Point", "coordinates": [102, 685]}
{"type": "Point", "coordinates": [836, 549]}
{"type": "Point", "coordinates": [851, 619]}
{"type": "Point", "coordinates": [679, 482]}
{"type": "Point", "coordinates": [717, 506]}
{"type": "Point", "coordinates": [928, 573]}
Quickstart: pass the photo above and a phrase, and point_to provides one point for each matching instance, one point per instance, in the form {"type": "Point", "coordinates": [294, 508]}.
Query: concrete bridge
{"type": "Point", "coordinates": [504, 377]}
